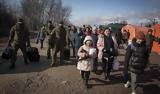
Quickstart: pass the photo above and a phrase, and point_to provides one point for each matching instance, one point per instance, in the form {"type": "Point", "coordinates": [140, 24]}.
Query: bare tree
{"type": "Point", "coordinates": [38, 12]}
{"type": "Point", "coordinates": [33, 10]}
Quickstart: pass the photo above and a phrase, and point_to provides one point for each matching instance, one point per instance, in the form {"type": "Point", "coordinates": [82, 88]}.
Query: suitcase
{"type": "Point", "coordinates": [33, 54]}
{"type": "Point", "coordinates": [66, 53]}
{"type": "Point", "coordinates": [7, 53]}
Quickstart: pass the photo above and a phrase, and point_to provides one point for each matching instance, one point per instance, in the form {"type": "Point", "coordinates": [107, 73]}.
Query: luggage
{"type": "Point", "coordinates": [66, 53]}
{"type": "Point", "coordinates": [33, 54]}
{"type": "Point", "coordinates": [7, 53]}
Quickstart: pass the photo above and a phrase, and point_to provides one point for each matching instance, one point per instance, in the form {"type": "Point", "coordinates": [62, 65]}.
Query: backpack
{"type": "Point", "coordinates": [7, 53]}
{"type": "Point", "coordinates": [33, 54]}
{"type": "Point", "coordinates": [138, 59]}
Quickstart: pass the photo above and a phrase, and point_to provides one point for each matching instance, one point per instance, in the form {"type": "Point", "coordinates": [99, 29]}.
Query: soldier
{"type": "Point", "coordinates": [19, 36]}
{"type": "Point", "coordinates": [59, 37]}
{"type": "Point", "coordinates": [49, 30]}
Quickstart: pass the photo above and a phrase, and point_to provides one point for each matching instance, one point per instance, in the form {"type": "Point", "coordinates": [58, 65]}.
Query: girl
{"type": "Point", "coordinates": [86, 54]}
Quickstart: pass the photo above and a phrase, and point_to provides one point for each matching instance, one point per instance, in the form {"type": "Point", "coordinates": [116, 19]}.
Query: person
{"type": "Point", "coordinates": [50, 27]}
{"type": "Point", "coordinates": [72, 35]}
{"type": "Point", "coordinates": [59, 38]}
{"type": "Point", "coordinates": [125, 35]}
{"type": "Point", "coordinates": [86, 55]}
{"type": "Point", "coordinates": [119, 37]}
{"type": "Point", "coordinates": [19, 36]}
{"type": "Point", "coordinates": [41, 36]}
{"type": "Point", "coordinates": [88, 31]}
{"type": "Point", "coordinates": [94, 36]}
{"type": "Point", "coordinates": [149, 40]}
{"type": "Point", "coordinates": [108, 54]}
{"type": "Point", "coordinates": [136, 59]}
{"type": "Point", "coordinates": [84, 28]}
{"type": "Point", "coordinates": [100, 45]}
{"type": "Point", "coordinates": [79, 36]}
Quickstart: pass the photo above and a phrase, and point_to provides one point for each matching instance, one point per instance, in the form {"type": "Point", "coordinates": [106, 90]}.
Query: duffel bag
{"type": "Point", "coordinates": [7, 53]}
{"type": "Point", "coordinates": [33, 54]}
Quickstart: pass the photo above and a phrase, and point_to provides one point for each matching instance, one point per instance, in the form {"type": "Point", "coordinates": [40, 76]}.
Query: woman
{"type": "Point", "coordinates": [86, 54]}
{"type": "Point", "coordinates": [108, 53]}
{"type": "Point", "coordinates": [100, 45]}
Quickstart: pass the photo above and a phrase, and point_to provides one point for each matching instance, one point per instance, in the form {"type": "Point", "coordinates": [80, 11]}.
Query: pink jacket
{"type": "Point", "coordinates": [100, 47]}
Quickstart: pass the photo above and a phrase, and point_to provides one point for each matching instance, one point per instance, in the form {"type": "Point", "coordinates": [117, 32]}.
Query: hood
{"type": "Point", "coordinates": [87, 38]}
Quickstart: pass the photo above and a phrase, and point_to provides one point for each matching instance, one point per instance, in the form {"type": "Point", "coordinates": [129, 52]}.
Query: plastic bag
{"type": "Point", "coordinates": [115, 63]}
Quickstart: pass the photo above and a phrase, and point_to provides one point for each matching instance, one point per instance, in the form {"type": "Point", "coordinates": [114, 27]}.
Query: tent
{"type": "Point", "coordinates": [133, 30]}
{"type": "Point", "coordinates": [156, 33]}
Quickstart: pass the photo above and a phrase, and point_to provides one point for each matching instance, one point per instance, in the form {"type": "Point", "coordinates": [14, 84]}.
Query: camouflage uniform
{"type": "Point", "coordinates": [49, 30]}
{"type": "Point", "coordinates": [59, 37]}
{"type": "Point", "coordinates": [19, 36]}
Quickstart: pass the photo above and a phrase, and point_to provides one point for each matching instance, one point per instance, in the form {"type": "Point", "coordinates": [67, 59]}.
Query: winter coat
{"type": "Point", "coordinates": [79, 39]}
{"type": "Point", "coordinates": [19, 35]}
{"type": "Point", "coordinates": [95, 39]}
{"type": "Point", "coordinates": [136, 57]}
{"type": "Point", "coordinates": [72, 35]}
{"type": "Point", "coordinates": [41, 35]}
{"type": "Point", "coordinates": [59, 36]}
{"type": "Point", "coordinates": [100, 47]}
{"type": "Point", "coordinates": [109, 45]}
{"type": "Point", "coordinates": [87, 63]}
{"type": "Point", "coordinates": [149, 40]}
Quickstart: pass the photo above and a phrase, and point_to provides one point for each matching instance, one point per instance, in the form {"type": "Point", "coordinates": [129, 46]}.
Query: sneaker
{"type": "Point", "coordinates": [133, 93]}
{"type": "Point", "coordinates": [127, 85]}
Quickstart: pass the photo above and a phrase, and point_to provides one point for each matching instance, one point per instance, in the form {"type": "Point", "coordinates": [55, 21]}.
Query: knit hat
{"type": "Point", "coordinates": [140, 35]}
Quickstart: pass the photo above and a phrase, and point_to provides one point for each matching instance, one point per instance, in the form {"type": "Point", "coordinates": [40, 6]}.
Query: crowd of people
{"type": "Point", "coordinates": [92, 46]}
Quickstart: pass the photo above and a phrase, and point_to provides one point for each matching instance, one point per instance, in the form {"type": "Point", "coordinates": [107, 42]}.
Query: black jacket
{"type": "Point", "coordinates": [136, 57]}
{"type": "Point", "coordinates": [109, 46]}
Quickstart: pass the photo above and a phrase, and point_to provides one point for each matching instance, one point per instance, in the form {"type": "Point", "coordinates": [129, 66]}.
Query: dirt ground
{"type": "Point", "coordinates": [40, 78]}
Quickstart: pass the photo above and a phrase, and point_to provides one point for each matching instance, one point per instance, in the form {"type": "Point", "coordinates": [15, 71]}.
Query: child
{"type": "Point", "coordinates": [86, 54]}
